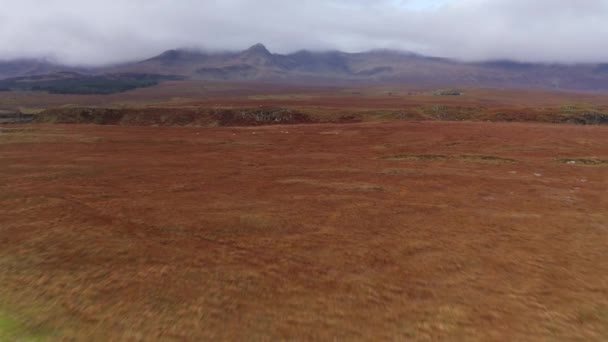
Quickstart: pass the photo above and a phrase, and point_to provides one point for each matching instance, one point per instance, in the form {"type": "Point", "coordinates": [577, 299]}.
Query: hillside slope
{"type": "Point", "coordinates": [308, 67]}
{"type": "Point", "coordinates": [380, 66]}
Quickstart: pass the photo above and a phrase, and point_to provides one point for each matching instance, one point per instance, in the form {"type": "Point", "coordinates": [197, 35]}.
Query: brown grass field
{"type": "Point", "coordinates": [372, 231]}
{"type": "Point", "coordinates": [357, 98]}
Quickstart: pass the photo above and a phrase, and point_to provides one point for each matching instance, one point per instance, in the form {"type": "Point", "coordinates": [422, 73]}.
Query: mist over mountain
{"type": "Point", "coordinates": [95, 32]}
{"type": "Point", "coordinates": [257, 63]}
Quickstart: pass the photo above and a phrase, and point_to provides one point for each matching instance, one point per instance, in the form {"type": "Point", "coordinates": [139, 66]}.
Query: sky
{"type": "Point", "coordinates": [95, 32]}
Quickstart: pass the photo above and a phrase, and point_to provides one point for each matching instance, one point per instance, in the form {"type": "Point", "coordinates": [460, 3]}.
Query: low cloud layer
{"type": "Point", "coordinates": [100, 32]}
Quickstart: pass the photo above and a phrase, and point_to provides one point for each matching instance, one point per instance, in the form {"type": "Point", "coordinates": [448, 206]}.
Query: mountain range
{"type": "Point", "coordinates": [308, 67]}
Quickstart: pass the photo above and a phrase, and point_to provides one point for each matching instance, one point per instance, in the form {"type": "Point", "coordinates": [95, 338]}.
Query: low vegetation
{"type": "Point", "coordinates": [256, 116]}
{"type": "Point", "coordinates": [175, 116]}
{"type": "Point", "coordinates": [73, 83]}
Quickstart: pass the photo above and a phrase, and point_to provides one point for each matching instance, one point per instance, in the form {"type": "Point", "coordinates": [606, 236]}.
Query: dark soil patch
{"type": "Point", "coordinates": [173, 116]}
{"type": "Point", "coordinates": [485, 159]}
{"type": "Point", "coordinates": [461, 157]}
{"type": "Point", "coordinates": [417, 157]}
{"type": "Point", "coordinates": [258, 117]}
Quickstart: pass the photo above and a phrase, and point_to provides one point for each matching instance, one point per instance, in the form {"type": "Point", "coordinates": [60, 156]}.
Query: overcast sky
{"type": "Point", "coordinates": [109, 31]}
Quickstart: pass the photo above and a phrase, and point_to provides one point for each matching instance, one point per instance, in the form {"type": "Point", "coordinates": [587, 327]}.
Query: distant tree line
{"type": "Point", "coordinates": [85, 84]}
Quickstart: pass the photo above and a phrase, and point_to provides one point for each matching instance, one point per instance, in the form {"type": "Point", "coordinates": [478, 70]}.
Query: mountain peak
{"type": "Point", "coordinates": [259, 48]}
{"type": "Point", "coordinates": [169, 54]}
{"type": "Point", "coordinates": [257, 55]}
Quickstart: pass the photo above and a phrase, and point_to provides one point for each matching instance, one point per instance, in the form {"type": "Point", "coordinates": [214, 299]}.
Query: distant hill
{"type": "Point", "coordinates": [30, 67]}
{"type": "Point", "coordinates": [381, 66]}
{"type": "Point", "coordinates": [308, 67]}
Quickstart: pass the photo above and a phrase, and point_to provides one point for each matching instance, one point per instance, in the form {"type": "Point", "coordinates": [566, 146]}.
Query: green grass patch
{"type": "Point", "coordinates": [13, 330]}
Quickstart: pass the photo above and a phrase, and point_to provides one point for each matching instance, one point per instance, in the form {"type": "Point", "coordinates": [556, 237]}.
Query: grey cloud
{"type": "Point", "coordinates": [98, 32]}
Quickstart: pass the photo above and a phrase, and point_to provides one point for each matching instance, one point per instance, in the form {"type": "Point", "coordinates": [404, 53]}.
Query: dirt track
{"type": "Point", "coordinates": [397, 230]}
